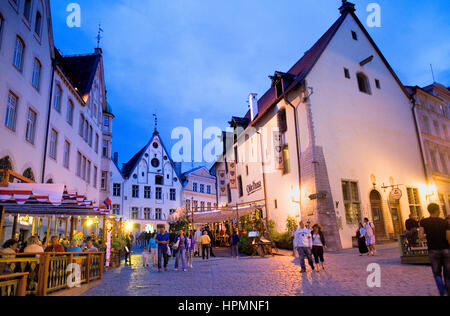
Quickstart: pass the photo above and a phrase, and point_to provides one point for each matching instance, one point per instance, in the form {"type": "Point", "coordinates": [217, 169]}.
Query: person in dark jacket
{"type": "Point", "coordinates": [360, 234]}
{"type": "Point", "coordinates": [319, 243]}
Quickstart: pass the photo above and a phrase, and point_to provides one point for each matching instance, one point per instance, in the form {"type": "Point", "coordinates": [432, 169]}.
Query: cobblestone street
{"type": "Point", "coordinates": [272, 276]}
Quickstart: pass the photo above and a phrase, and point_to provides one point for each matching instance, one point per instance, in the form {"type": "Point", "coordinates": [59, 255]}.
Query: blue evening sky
{"type": "Point", "coordinates": [187, 59]}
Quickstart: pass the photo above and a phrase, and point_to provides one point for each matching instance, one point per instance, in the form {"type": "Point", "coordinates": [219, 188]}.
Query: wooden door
{"type": "Point", "coordinates": [396, 217]}
{"type": "Point", "coordinates": [377, 214]}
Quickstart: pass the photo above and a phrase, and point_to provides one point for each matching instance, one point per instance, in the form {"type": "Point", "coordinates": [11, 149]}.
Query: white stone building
{"type": "Point", "coordinates": [432, 110]}
{"type": "Point", "coordinates": [53, 109]}
{"type": "Point", "coordinates": [148, 188]}
{"type": "Point", "coordinates": [336, 134]}
{"type": "Point", "coordinates": [199, 190]}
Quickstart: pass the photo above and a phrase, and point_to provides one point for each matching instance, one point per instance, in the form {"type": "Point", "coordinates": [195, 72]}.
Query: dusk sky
{"type": "Point", "coordinates": [187, 59]}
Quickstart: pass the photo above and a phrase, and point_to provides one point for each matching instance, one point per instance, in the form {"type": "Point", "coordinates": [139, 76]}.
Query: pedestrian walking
{"type": "Point", "coordinates": [369, 229]}
{"type": "Point", "coordinates": [235, 239]}
{"type": "Point", "coordinates": [129, 242]}
{"type": "Point", "coordinates": [303, 244]}
{"type": "Point", "coordinates": [206, 242]}
{"type": "Point", "coordinates": [180, 246]}
{"type": "Point", "coordinates": [437, 233]}
{"type": "Point", "coordinates": [190, 249]}
{"type": "Point", "coordinates": [361, 235]}
{"type": "Point", "coordinates": [318, 246]}
{"type": "Point", "coordinates": [198, 242]}
{"type": "Point", "coordinates": [162, 239]}
{"type": "Point", "coordinates": [153, 249]}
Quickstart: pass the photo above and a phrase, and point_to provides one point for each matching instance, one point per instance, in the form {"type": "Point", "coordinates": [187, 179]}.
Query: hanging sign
{"type": "Point", "coordinates": [222, 182]}
{"type": "Point", "coordinates": [232, 175]}
{"type": "Point", "coordinates": [396, 194]}
{"type": "Point", "coordinates": [278, 150]}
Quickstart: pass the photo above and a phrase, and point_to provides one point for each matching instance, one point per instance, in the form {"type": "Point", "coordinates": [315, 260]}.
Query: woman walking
{"type": "Point", "coordinates": [319, 243]}
{"type": "Point", "coordinates": [369, 229]}
{"type": "Point", "coordinates": [190, 249]}
{"type": "Point", "coordinates": [360, 234]}
{"type": "Point", "coordinates": [180, 246]}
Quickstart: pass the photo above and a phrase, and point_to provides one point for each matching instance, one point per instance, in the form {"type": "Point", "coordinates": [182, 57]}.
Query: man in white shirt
{"type": "Point", "coordinates": [198, 242]}
{"type": "Point", "coordinates": [303, 244]}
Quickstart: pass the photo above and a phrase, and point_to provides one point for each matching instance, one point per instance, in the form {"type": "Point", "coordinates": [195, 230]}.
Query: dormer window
{"type": "Point", "coordinates": [363, 83]}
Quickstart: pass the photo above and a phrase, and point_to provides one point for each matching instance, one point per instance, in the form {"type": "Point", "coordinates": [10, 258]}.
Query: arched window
{"type": "Point", "coordinates": [37, 69]}
{"type": "Point", "coordinates": [58, 97]}
{"type": "Point", "coordinates": [29, 174]}
{"type": "Point", "coordinates": [363, 83]}
{"type": "Point", "coordinates": [19, 51]}
{"type": "Point", "coordinates": [6, 164]}
{"type": "Point", "coordinates": [70, 109]}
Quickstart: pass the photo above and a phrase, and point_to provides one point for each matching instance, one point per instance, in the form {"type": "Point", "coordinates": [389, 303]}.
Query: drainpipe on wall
{"type": "Point", "coordinates": [419, 138]}
{"type": "Point", "coordinates": [298, 151]}
{"type": "Point", "coordinates": [44, 162]}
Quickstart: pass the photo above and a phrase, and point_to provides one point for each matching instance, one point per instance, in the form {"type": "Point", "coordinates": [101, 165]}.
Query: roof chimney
{"type": "Point", "coordinates": [347, 7]}
{"type": "Point", "coordinates": [253, 101]}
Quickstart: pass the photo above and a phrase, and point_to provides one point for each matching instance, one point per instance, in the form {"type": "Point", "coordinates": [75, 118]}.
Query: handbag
{"type": "Point", "coordinates": [169, 253]}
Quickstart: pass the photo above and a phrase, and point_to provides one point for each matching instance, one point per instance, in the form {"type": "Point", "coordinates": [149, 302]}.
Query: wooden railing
{"type": "Point", "coordinates": [49, 272]}
{"type": "Point", "coordinates": [414, 254]}
{"type": "Point", "coordinates": [13, 284]}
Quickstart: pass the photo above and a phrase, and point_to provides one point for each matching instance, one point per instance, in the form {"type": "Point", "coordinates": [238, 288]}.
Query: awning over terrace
{"type": "Point", "coordinates": [216, 216]}
{"type": "Point", "coordinates": [46, 199]}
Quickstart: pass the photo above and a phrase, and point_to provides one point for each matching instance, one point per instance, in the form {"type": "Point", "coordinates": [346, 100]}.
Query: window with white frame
{"type": "Point", "coordinates": [135, 213]}
{"type": "Point", "coordinates": [11, 112]}
{"type": "Point", "coordinates": [105, 151]}
{"type": "Point", "coordinates": [173, 194]}
{"type": "Point", "coordinates": [135, 191]}
{"type": "Point", "coordinates": [53, 143]}
{"type": "Point", "coordinates": [202, 188]}
{"type": "Point", "coordinates": [70, 110]}
{"type": "Point", "coordinates": [202, 206]}
{"type": "Point", "coordinates": [352, 202]}
{"type": "Point", "coordinates": [19, 51]}
{"type": "Point", "coordinates": [208, 189]}
{"type": "Point", "coordinates": [158, 214]}
{"type": "Point", "coordinates": [147, 213]}
{"type": "Point", "coordinates": [66, 161]}
{"type": "Point", "coordinates": [37, 68]}
{"type": "Point", "coordinates": [116, 209]}
{"type": "Point", "coordinates": [104, 183]}
{"type": "Point", "coordinates": [158, 193]}
{"type": "Point", "coordinates": [195, 187]}
{"type": "Point", "coordinates": [116, 189]}
{"type": "Point", "coordinates": [31, 126]}
{"type": "Point", "coordinates": [147, 192]}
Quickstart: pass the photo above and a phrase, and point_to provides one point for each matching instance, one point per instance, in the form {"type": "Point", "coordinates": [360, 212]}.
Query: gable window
{"type": "Point", "coordinates": [377, 84]}
{"type": "Point", "coordinates": [135, 191]}
{"type": "Point", "coordinates": [11, 112]}
{"type": "Point", "coordinates": [18, 53]}
{"type": "Point", "coordinates": [116, 189]}
{"type": "Point", "coordinates": [36, 80]}
{"type": "Point", "coordinates": [27, 10]}
{"type": "Point", "coordinates": [147, 192]}
{"type": "Point", "coordinates": [31, 126]}
{"type": "Point", "coordinates": [70, 109]}
{"type": "Point", "coordinates": [363, 83]}
{"type": "Point", "coordinates": [159, 180]}
{"type": "Point", "coordinates": [347, 73]}
{"type": "Point", "coordinates": [158, 193]}
{"type": "Point", "coordinates": [354, 35]}
{"type": "Point", "coordinates": [352, 202]}
{"type": "Point", "coordinates": [38, 24]}
{"type": "Point", "coordinates": [66, 154]}
{"type": "Point", "coordinates": [53, 143]}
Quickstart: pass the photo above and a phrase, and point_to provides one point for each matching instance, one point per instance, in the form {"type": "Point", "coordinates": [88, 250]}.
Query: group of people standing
{"type": "Point", "coordinates": [366, 238]}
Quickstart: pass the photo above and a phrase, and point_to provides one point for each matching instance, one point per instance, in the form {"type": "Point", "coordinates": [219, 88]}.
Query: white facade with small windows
{"type": "Point", "coordinates": [199, 190]}
{"type": "Point", "coordinates": [147, 189]}
{"type": "Point", "coordinates": [52, 108]}
{"type": "Point", "coordinates": [26, 51]}
{"type": "Point", "coordinates": [344, 138]}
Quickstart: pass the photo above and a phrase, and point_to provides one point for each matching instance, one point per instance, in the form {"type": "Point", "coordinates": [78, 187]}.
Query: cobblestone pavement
{"type": "Point", "coordinates": [346, 274]}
